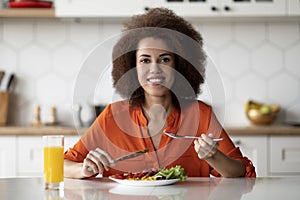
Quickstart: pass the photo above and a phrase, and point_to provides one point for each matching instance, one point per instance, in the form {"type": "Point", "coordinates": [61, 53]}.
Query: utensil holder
{"type": "Point", "coordinates": [4, 101]}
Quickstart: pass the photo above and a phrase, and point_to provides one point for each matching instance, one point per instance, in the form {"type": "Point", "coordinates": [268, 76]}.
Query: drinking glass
{"type": "Point", "coordinates": [53, 161]}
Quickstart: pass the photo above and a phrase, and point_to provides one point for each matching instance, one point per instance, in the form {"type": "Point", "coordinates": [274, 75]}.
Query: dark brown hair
{"type": "Point", "coordinates": [183, 40]}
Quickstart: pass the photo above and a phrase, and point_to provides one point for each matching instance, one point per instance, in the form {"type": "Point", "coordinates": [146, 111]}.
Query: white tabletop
{"type": "Point", "coordinates": [192, 188]}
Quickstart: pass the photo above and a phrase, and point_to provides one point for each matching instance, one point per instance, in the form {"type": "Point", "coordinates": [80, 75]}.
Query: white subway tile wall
{"type": "Point", "coordinates": [255, 60]}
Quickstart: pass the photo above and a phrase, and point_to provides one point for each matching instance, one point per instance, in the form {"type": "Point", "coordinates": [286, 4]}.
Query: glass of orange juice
{"type": "Point", "coordinates": [53, 161]}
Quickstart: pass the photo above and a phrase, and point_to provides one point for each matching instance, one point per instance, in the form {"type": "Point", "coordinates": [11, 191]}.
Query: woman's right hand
{"type": "Point", "coordinates": [96, 162]}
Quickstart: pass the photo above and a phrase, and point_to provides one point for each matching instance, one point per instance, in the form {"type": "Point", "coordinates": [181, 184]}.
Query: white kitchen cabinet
{"type": "Point", "coordinates": [96, 8]}
{"type": "Point", "coordinates": [30, 154]}
{"type": "Point", "coordinates": [7, 156]}
{"type": "Point", "coordinates": [185, 8]}
{"type": "Point", "coordinates": [253, 7]}
{"type": "Point", "coordinates": [293, 7]}
{"type": "Point", "coordinates": [198, 8]}
{"type": "Point", "coordinates": [189, 8]}
{"type": "Point", "coordinates": [256, 149]}
{"type": "Point", "coordinates": [284, 155]}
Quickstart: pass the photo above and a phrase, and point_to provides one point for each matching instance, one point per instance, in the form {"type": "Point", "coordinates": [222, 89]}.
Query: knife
{"type": "Point", "coordinates": [10, 83]}
{"type": "Point", "coordinates": [2, 73]}
{"type": "Point", "coordinates": [132, 155]}
{"type": "Point", "coordinates": [128, 156]}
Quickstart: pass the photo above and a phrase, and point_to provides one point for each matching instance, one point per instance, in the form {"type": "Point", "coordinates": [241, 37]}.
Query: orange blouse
{"type": "Point", "coordinates": [121, 129]}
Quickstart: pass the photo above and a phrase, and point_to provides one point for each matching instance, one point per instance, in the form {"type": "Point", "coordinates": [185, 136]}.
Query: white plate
{"type": "Point", "coordinates": [145, 183]}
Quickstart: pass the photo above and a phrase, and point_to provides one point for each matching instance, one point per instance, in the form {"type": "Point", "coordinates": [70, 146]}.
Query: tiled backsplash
{"type": "Point", "coordinates": [255, 60]}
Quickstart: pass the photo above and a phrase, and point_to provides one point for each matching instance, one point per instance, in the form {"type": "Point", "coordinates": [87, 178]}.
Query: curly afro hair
{"type": "Point", "coordinates": [182, 39]}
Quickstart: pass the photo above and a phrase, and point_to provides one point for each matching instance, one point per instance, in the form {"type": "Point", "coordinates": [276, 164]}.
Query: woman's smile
{"type": "Point", "coordinates": [156, 80]}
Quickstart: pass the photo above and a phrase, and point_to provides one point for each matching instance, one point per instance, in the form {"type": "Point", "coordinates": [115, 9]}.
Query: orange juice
{"type": "Point", "coordinates": [53, 164]}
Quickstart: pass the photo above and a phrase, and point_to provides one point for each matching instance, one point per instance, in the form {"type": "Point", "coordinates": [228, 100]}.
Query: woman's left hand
{"type": "Point", "coordinates": [205, 147]}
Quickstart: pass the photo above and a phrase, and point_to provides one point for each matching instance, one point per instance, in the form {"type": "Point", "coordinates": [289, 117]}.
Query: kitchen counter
{"type": "Point", "coordinates": [264, 130]}
{"type": "Point", "coordinates": [192, 188]}
{"type": "Point", "coordinates": [43, 130]}
{"type": "Point", "coordinates": [49, 130]}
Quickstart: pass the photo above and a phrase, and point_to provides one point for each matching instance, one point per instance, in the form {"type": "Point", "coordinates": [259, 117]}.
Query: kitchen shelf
{"type": "Point", "coordinates": [27, 12]}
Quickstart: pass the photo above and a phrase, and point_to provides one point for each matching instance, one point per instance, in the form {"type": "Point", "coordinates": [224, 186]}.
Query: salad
{"type": "Point", "coordinates": [176, 172]}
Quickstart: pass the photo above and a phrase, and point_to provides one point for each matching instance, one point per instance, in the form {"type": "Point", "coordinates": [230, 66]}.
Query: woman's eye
{"type": "Point", "coordinates": [164, 60]}
{"type": "Point", "coordinates": [144, 60]}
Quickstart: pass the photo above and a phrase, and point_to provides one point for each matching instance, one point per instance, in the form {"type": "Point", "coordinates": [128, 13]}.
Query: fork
{"type": "Point", "coordinates": [189, 136]}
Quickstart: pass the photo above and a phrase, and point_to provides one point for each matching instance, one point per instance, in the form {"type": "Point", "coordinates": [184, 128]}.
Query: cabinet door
{"type": "Point", "coordinates": [7, 156]}
{"type": "Point", "coordinates": [285, 155]}
{"type": "Point", "coordinates": [198, 8]}
{"type": "Point", "coordinates": [255, 148]}
{"type": "Point", "coordinates": [30, 154]}
{"type": "Point", "coordinates": [293, 7]}
{"type": "Point", "coordinates": [96, 8]}
{"type": "Point", "coordinates": [253, 7]}
{"type": "Point", "coordinates": [191, 8]}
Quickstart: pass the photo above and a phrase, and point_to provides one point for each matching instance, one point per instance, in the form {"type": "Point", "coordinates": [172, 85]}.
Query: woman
{"type": "Point", "coordinates": [158, 67]}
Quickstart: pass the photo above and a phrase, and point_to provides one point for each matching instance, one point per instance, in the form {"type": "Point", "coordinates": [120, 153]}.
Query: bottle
{"type": "Point", "coordinates": [52, 118]}
{"type": "Point", "coordinates": [36, 121]}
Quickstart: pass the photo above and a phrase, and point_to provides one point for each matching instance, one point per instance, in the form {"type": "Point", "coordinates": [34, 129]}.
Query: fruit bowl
{"type": "Point", "coordinates": [261, 113]}
{"type": "Point", "coordinates": [258, 118]}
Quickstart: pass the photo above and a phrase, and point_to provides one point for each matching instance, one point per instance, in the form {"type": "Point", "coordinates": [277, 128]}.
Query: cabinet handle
{"type": "Point", "coordinates": [227, 8]}
{"type": "Point", "coordinates": [31, 154]}
{"type": "Point", "coordinates": [214, 8]}
{"type": "Point", "coordinates": [283, 154]}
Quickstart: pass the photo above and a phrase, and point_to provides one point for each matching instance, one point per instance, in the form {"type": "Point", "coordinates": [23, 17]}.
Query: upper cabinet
{"type": "Point", "coordinates": [254, 7]}
{"type": "Point", "coordinates": [191, 8]}
{"type": "Point", "coordinates": [96, 8]}
{"type": "Point", "coordinates": [185, 8]}
{"type": "Point", "coordinates": [293, 7]}
{"type": "Point", "coordinates": [195, 8]}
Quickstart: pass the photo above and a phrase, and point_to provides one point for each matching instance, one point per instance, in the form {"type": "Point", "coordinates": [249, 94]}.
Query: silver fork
{"type": "Point", "coordinates": [189, 136]}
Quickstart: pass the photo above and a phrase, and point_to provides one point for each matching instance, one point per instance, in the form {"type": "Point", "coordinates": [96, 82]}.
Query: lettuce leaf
{"type": "Point", "coordinates": [176, 172]}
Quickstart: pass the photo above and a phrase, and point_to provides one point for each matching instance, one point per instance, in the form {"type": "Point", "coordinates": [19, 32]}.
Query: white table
{"type": "Point", "coordinates": [193, 188]}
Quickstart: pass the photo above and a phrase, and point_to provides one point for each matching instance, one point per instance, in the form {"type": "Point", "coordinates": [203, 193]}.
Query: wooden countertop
{"type": "Point", "coordinates": [263, 130]}
{"type": "Point", "coordinates": [44, 130]}
{"type": "Point", "coordinates": [54, 130]}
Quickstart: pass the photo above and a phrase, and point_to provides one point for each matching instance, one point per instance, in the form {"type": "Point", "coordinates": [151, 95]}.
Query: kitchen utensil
{"type": "Point", "coordinates": [10, 83]}
{"type": "Point", "coordinates": [132, 155]}
{"type": "Point", "coordinates": [129, 156]}
{"type": "Point", "coordinates": [2, 73]}
{"type": "Point", "coordinates": [188, 136]}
